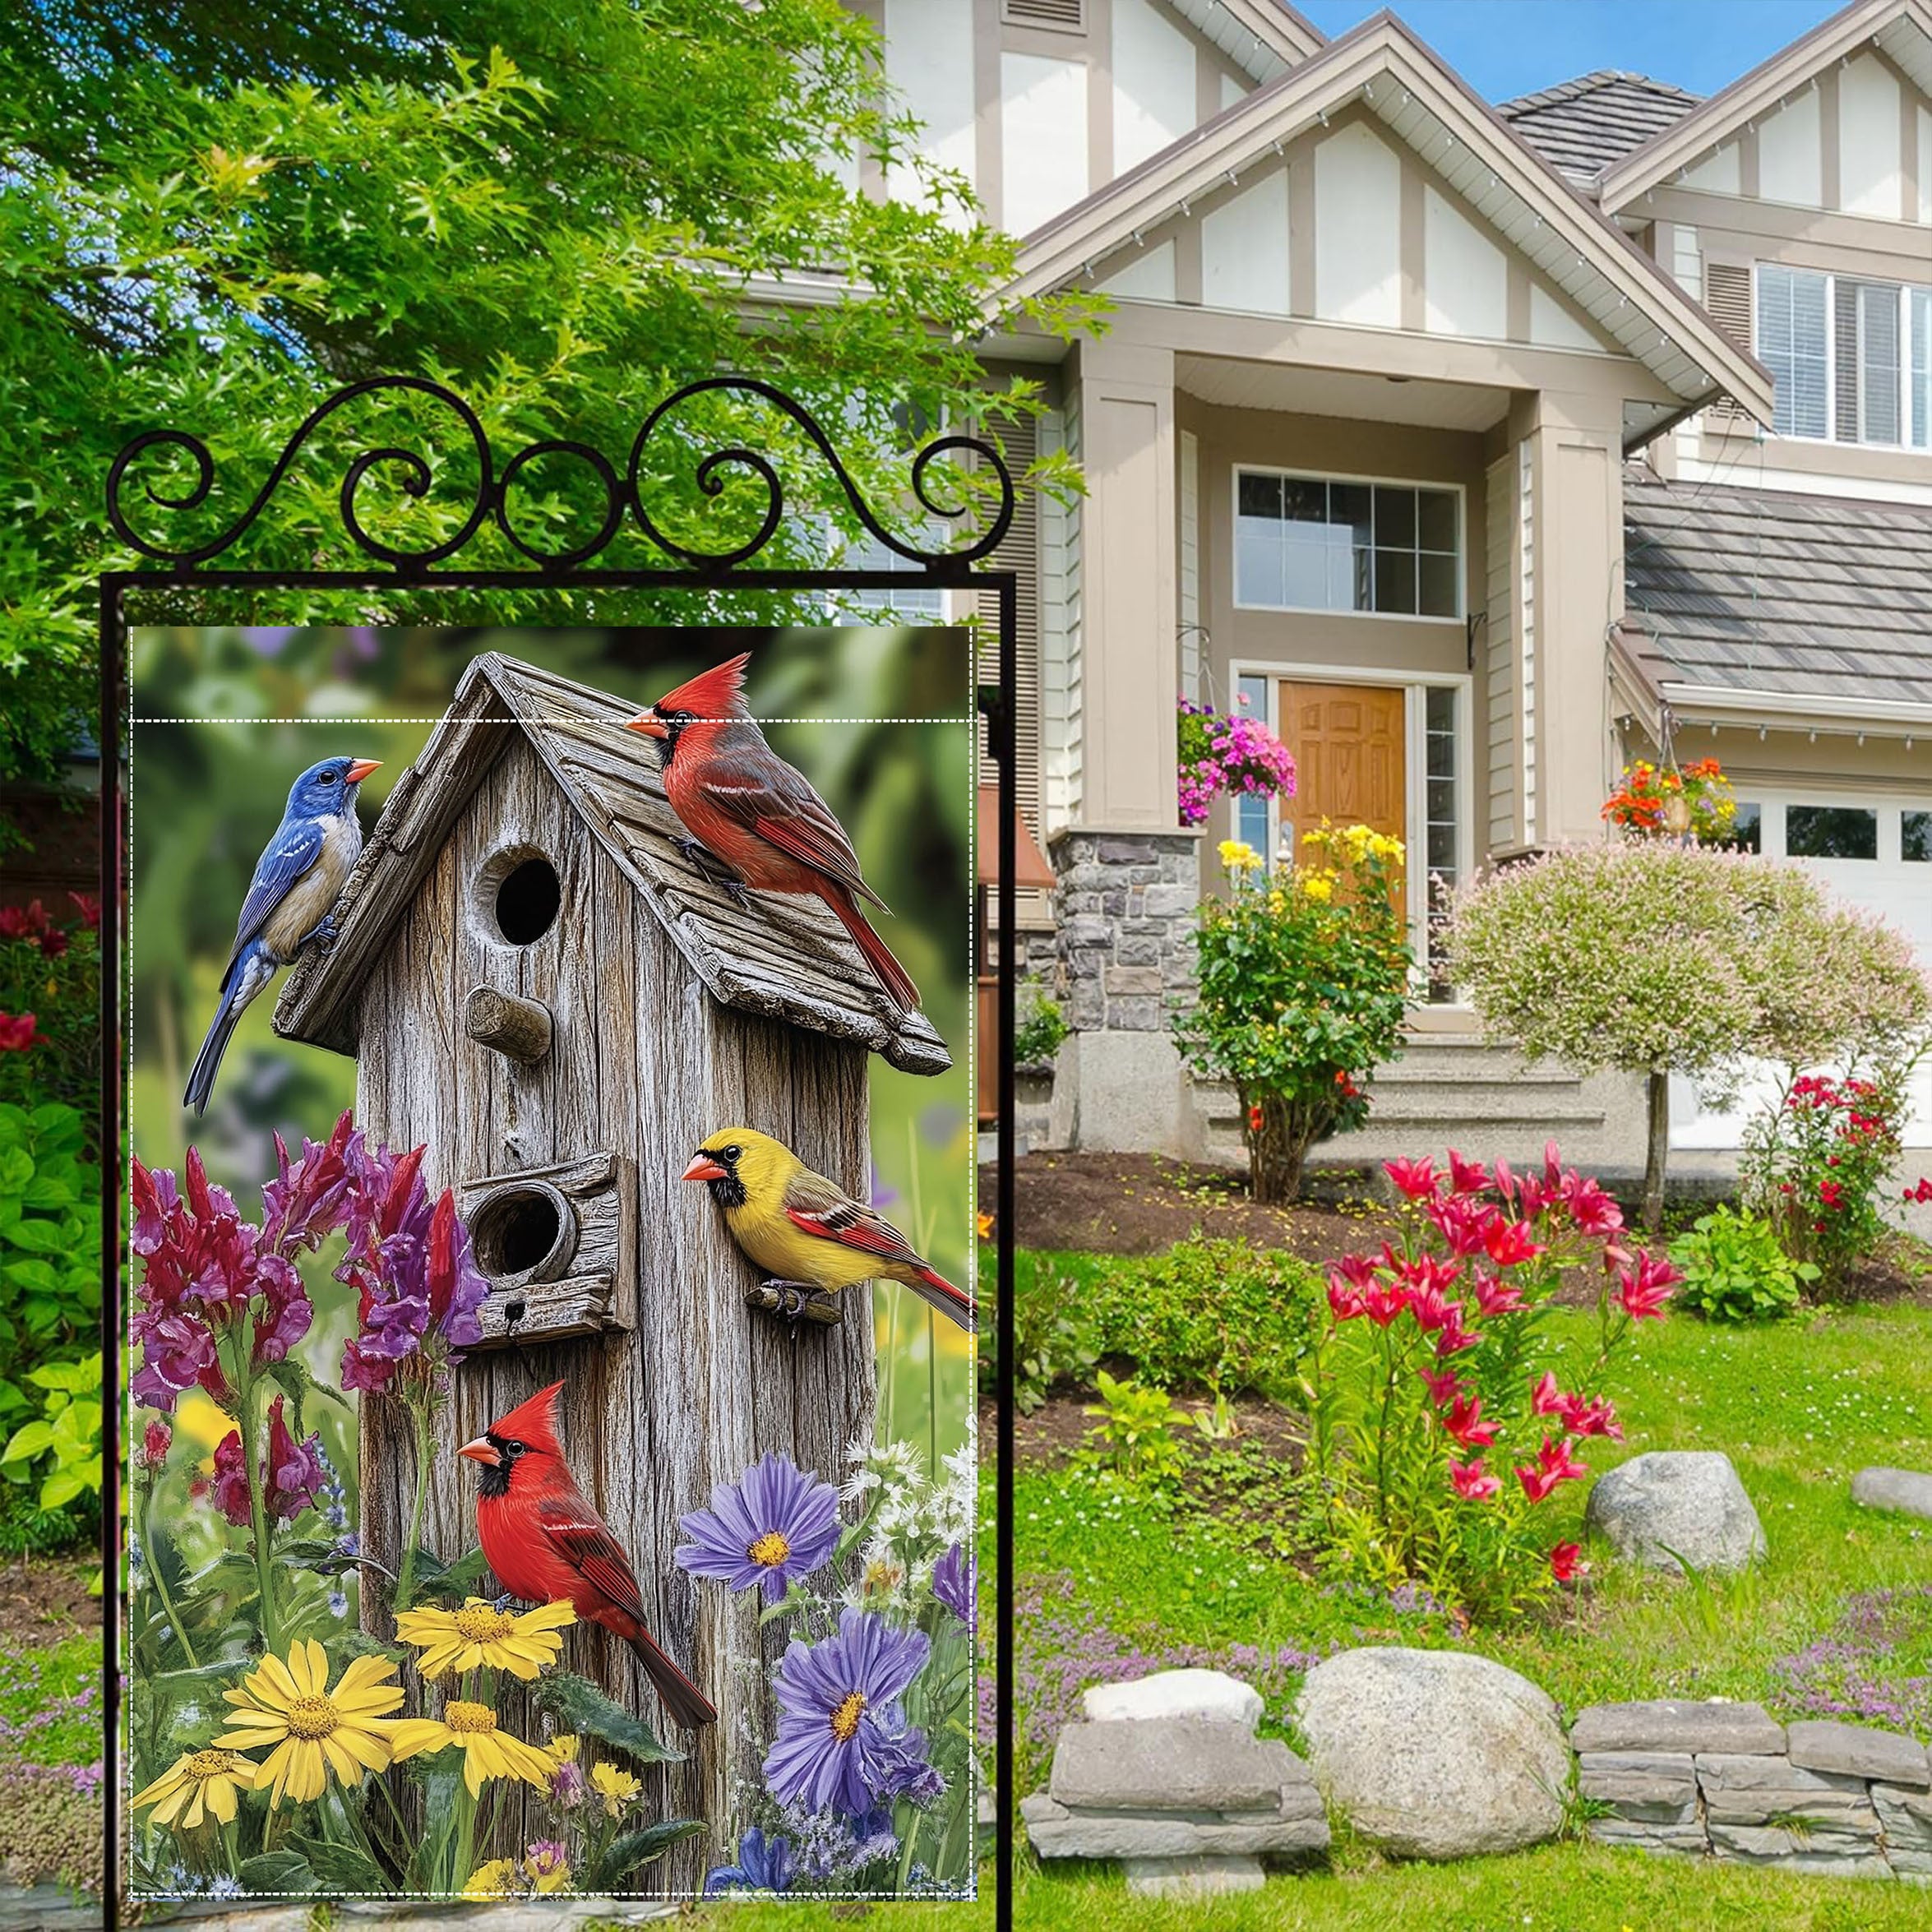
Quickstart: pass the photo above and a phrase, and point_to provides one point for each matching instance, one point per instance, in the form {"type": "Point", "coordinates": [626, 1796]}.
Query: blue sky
{"type": "Point", "coordinates": [1503, 48]}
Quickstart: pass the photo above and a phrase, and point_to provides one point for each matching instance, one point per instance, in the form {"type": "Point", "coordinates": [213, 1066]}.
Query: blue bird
{"type": "Point", "coordinates": [291, 898]}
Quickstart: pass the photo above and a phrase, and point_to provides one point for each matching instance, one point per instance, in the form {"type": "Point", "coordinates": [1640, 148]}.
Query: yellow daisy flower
{"type": "Point", "coordinates": [314, 1730]}
{"type": "Point", "coordinates": [496, 1879]}
{"type": "Point", "coordinates": [479, 1633]}
{"type": "Point", "coordinates": [1238, 856]}
{"type": "Point", "coordinates": [562, 1749]}
{"type": "Point", "coordinates": [198, 1782]}
{"type": "Point", "coordinates": [488, 1752]}
{"type": "Point", "coordinates": [1318, 886]}
{"type": "Point", "coordinates": [618, 1787]}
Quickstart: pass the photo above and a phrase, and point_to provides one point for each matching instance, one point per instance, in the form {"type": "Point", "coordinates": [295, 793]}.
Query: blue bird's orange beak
{"type": "Point", "coordinates": [648, 722]}
{"type": "Point", "coordinates": [703, 1168]}
{"type": "Point", "coordinates": [360, 770]}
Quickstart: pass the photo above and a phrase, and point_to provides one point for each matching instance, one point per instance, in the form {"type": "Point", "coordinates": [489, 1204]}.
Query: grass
{"type": "Point", "coordinates": [1557, 1888]}
{"type": "Point", "coordinates": [1798, 1406]}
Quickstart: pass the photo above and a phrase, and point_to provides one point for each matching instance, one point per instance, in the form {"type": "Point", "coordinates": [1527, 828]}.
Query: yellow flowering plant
{"type": "Point", "coordinates": [1302, 985]}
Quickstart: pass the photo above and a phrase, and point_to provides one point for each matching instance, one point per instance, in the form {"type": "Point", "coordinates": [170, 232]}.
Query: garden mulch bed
{"type": "Point", "coordinates": [1133, 1204]}
{"type": "Point", "coordinates": [1059, 1426]}
{"type": "Point", "coordinates": [43, 1599]}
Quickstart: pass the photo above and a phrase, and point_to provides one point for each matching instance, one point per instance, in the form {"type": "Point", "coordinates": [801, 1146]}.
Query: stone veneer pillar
{"type": "Point", "coordinates": [1125, 905]}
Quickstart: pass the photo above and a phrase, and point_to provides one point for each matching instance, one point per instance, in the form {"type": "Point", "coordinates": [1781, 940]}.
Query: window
{"type": "Point", "coordinates": [1747, 829]}
{"type": "Point", "coordinates": [1851, 359]}
{"type": "Point", "coordinates": [1830, 831]}
{"type": "Point", "coordinates": [1332, 543]}
{"type": "Point", "coordinates": [1915, 838]}
{"type": "Point", "coordinates": [1442, 828]}
{"type": "Point", "coordinates": [1251, 814]}
{"type": "Point", "coordinates": [917, 603]}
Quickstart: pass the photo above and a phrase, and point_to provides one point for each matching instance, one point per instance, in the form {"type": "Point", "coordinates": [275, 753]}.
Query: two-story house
{"type": "Point", "coordinates": [1477, 448]}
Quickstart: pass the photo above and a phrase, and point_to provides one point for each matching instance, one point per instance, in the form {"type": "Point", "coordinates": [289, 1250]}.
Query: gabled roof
{"type": "Point", "coordinates": [1742, 599]}
{"type": "Point", "coordinates": [1901, 29]}
{"type": "Point", "coordinates": [785, 957]}
{"type": "Point", "coordinates": [1262, 38]}
{"type": "Point", "coordinates": [1428, 108]}
{"type": "Point", "coordinates": [1582, 127]}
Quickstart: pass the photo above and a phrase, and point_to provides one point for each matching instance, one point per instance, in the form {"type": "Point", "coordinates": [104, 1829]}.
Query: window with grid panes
{"type": "Point", "coordinates": [1332, 543]}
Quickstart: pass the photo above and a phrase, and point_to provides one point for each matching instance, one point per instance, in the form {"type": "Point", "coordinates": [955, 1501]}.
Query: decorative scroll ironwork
{"type": "Point", "coordinates": [623, 494]}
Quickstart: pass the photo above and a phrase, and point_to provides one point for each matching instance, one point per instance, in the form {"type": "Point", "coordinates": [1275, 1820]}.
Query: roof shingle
{"type": "Point", "coordinates": [1584, 126]}
{"type": "Point", "coordinates": [1749, 590]}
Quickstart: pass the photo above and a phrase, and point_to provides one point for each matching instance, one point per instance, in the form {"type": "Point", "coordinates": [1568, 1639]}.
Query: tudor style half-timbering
{"type": "Point", "coordinates": [1403, 433]}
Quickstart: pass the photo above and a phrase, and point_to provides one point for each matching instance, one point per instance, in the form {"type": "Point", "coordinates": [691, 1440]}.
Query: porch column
{"type": "Point", "coordinates": [1575, 588]}
{"type": "Point", "coordinates": [1128, 656]}
{"type": "Point", "coordinates": [1129, 875]}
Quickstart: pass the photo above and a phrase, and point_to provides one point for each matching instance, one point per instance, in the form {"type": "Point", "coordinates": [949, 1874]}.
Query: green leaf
{"type": "Point", "coordinates": [277, 1871]}
{"type": "Point", "coordinates": [36, 1276]}
{"type": "Point", "coordinates": [29, 1441]}
{"type": "Point", "coordinates": [342, 1868]}
{"type": "Point", "coordinates": [49, 1191]}
{"type": "Point", "coordinates": [38, 1237]}
{"type": "Point", "coordinates": [73, 1376]}
{"type": "Point", "coordinates": [17, 1169]}
{"type": "Point", "coordinates": [579, 1706]}
{"type": "Point", "coordinates": [635, 1849]}
{"type": "Point", "coordinates": [60, 1489]}
{"type": "Point", "coordinates": [435, 1578]}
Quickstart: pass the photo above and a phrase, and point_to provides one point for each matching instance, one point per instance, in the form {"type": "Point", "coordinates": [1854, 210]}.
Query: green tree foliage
{"type": "Point", "coordinates": [217, 215]}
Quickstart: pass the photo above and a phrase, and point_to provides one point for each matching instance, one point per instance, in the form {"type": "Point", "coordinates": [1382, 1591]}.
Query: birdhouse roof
{"type": "Point", "coordinates": [784, 956]}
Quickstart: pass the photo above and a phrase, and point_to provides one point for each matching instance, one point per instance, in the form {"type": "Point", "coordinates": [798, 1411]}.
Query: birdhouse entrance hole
{"type": "Point", "coordinates": [528, 896]}
{"type": "Point", "coordinates": [523, 1233]}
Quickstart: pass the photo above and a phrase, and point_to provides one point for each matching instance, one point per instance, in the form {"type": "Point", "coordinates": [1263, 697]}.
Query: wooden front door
{"type": "Point", "coordinates": [1349, 746]}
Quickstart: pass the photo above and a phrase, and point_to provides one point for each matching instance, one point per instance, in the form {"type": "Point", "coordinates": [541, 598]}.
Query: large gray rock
{"type": "Point", "coordinates": [1859, 1751]}
{"type": "Point", "coordinates": [1435, 1753]}
{"type": "Point", "coordinates": [1677, 1503]}
{"type": "Point", "coordinates": [1673, 1724]}
{"type": "Point", "coordinates": [1296, 1826]}
{"type": "Point", "coordinates": [1168, 1694]}
{"type": "Point", "coordinates": [1192, 1764]}
{"type": "Point", "coordinates": [1909, 1490]}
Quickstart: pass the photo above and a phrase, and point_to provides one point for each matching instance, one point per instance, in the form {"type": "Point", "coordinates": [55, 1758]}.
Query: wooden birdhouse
{"type": "Point", "coordinates": [537, 983]}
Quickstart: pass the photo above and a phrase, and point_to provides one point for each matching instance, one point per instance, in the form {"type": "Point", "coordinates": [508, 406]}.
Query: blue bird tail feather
{"type": "Point", "coordinates": [201, 1083]}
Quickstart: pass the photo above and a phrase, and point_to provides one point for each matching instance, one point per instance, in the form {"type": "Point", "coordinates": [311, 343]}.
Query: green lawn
{"type": "Point", "coordinates": [1798, 1407]}
{"type": "Point", "coordinates": [50, 1702]}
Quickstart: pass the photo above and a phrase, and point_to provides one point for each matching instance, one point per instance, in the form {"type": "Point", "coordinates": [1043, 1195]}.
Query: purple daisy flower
{"type": "Point", "coordinates": [773, 1524]}
{"type": "Point", "coordinates": [955, 1584]}
{"type": "Point", "coordinates": [843, 1737]}
{"type": "Point", "coordinates": [765, 1865]}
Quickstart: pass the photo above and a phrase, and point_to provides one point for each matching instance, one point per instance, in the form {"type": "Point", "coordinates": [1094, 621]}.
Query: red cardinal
{"type": "Point", "coordinates": [547, 1545]}
{"type": "Point", "coordinates": [744, 805]}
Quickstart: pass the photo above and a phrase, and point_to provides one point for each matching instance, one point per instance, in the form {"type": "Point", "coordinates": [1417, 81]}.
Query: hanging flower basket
{"type": "Point", "coordinates": [1227, 751]}
{"type": "Point", "coordinates": [1662, 802]}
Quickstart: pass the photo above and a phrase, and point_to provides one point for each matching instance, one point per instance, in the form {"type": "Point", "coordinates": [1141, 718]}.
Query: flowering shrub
{"type": "Point", "coordinates": [1699, 797]}
{"type": "Point", "coordinates": [1227, 751]}
{"type": "Point", "coordinates": [1301, 989]}
{"type": "Point", "coordinates": [1815, 1161]}
{"type": "Point", "coordinates": [1440, 1428]}
{"type": "Point", "coordinates": [50, 1005]}
{"type": "Point", "coordinates": [1040, 1028]}
{"type": "Point", "coordinates": [1655, 959]}
{"type": "Point", "coordinates": [867, 1782]}
{"type": "Point", "coordinates": [260, 1714]}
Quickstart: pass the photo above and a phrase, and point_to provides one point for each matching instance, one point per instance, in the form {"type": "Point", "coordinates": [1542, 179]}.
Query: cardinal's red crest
{"type": "Point", "coordinates": [717, 693]}
{"type": "Point", "coordinates": [533, 1423]}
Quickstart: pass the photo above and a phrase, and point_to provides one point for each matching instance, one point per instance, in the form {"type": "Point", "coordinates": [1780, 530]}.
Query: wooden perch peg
{"type": "Point", "coordinates": [517, 1028]}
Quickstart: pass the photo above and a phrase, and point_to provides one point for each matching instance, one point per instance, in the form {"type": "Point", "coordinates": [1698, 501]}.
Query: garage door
{"type": "Point", "coordinates": [1876, 854]}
